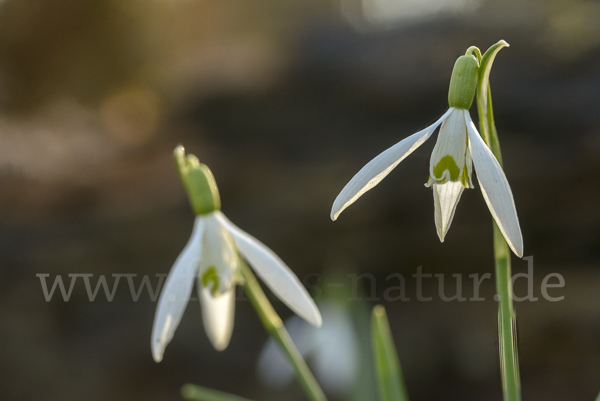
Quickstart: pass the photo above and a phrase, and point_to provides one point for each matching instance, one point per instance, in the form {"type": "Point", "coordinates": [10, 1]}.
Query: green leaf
{"type": "Point", "coordinates": [198, 393]}
{"type": "Point", "coordinates": [387, 365]}
{"type": "Point", "coordinates": [598, 398]}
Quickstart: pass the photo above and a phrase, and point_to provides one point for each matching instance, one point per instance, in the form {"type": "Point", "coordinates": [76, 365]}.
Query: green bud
{"type": "Point", "coordinates": [198, 181]}
{"type": "Point", "coordinates": [463, 82]}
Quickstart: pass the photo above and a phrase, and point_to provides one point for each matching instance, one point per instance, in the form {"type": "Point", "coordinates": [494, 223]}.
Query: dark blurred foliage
{"type": "Point", "coordinates": [285, 101]}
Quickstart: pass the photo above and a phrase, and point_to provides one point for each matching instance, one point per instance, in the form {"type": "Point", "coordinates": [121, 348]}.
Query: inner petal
{"type": "Point", "coordinates": [219, 262]}
{"type": "Point", "coordinates": [450, 161]}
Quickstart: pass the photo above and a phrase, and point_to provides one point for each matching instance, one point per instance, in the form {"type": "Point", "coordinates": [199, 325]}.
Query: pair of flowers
{"type": "Point", "coordinates": [212, 255]}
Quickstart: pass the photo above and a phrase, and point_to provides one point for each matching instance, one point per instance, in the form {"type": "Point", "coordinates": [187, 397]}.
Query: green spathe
{"type": "Point", "coordinates": [198, 181]}
{"type": "Point", "coordinates": [463, 82]}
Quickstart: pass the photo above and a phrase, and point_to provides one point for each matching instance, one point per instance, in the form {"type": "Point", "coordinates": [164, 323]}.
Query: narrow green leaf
{"type": "Point", "coordinates": [198, 393]}
{"type": "Point", "coordinates": [387, 365]}
{"type": "Point", "coordinates": [598, 398]}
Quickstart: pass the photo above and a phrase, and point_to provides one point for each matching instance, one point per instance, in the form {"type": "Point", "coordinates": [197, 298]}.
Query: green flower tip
{"type": "Point", "coordinates": [503, 43]}
{"type": "Point", "coordinates": [463, 82]}
{"type": "Point", "coordinates": [198, 181]}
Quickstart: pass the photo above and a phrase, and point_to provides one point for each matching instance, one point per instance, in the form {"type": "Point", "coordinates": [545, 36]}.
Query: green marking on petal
{"type": "Point", "coordinates": [465, 179]}
{"type": "Point", "coordinates": [447, 163]}
{"type": "Point", "coordinates": [211, 276]}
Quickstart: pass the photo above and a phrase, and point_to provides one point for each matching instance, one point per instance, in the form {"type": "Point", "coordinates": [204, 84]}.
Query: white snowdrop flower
{"type": "Point", "coordinates": [211, 258]}
{"type": "Point", "coordinates": [332, 350]}
{"type": "Point", "coordinates": [459, 146]}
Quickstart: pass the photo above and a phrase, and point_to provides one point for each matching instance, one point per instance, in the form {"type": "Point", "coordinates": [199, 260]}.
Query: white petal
{"type": "Point", "coordinates": [378, 168]}
{"type": "Point", "coordinates": [282, 281]}
{"type": "Point", "coordinates": [445, 199]}
{"type": "Point", "coordinates": [176, 291]}
{"type": "Point", "coordinates": [495, 189]}
{"type": "Point", "coordinates": [217, 315]}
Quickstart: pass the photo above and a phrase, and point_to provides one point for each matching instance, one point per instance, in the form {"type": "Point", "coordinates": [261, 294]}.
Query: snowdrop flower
{"type": "Point", "coordinates": [459, 146]}
{"type": "Point", "coordinates": [333, 351]}
{"type": "Point", "coordinates": [211, 258]}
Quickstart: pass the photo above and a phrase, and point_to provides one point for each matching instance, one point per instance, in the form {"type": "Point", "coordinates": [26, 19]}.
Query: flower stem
{"type": "Point", "coordinates": [274, 326]}
{"type": "Point", "coordinates": [507, 334]}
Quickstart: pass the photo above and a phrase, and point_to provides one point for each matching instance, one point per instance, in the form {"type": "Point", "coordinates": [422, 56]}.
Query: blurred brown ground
{"type": "Point", "coordinates": [285, 101]}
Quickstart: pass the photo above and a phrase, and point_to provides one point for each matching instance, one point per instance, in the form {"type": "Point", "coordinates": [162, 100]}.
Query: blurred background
{"type": "Point", "coordinates": [285, 101]}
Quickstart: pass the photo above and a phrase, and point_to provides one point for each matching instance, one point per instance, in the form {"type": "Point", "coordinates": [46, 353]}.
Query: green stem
{"type": "Point", "coordinates": [507, 335]}
{"type": "Point", "coordinates": [276, 329]}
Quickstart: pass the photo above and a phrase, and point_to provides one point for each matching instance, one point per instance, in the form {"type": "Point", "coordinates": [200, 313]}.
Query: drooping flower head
{"type": "Point", "coordinates": [459, 146]}
{"type": "Point", "coordinates": [211, 258]}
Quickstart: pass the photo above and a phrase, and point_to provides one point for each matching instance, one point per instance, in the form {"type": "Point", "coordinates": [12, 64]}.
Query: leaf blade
{"type": "Point", "coordinates": [387, 365]}
{"type": "Point", "coordinates": [198, 393]}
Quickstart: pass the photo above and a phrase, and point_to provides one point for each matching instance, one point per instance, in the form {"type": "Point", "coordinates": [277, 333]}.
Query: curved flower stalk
{"type": "Point", "coordinates": [459, 146]}
{"type": "Point", "coordinates": [211, 258]}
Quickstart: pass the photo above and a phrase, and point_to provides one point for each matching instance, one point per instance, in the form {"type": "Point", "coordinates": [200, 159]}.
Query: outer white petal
{"type": "Point", "coordinates": [378, 168]}
{"type": "Point", "coordinates": [445, 199]}
{"type": "Point", "coordinates": [495, 189]}
{"type": "Point", "coordinates": [217, 315]}
{"type": "Point", "coordinates": [282, 281]}
{"type": "Point", "coordinates": [176, 291]}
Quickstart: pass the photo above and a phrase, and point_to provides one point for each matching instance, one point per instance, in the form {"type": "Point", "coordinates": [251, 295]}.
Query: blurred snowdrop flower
{"type": "Point", "coordinates": [459, 146]}
{"type": "Point", "coordinates": [384, 14]}
{"type": "Point", "coordinates": [332, 350]}
{"type": "Point", "coordinates": [211, 258]}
